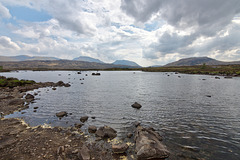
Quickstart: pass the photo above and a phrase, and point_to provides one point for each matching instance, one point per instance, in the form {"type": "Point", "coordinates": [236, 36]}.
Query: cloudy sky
{"type": "Point", "coordinates": [149, 32]}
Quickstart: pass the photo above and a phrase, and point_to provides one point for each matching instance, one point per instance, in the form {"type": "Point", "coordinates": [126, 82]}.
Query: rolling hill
{"type": "Point", "coordinates": [87, 59]}
{"type": "Point", "coordinates": [126, 62]}
{"type": "Point", "coordinates": [193, 61]}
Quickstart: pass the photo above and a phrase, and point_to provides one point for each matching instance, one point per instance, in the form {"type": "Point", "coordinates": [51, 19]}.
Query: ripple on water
{"type": "Point", "coordinates": [192, 123]}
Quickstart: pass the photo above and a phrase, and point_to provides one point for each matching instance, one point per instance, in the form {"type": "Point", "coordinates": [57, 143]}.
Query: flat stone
{"type": "Point", "coordinates": [84, 153]}
{"type": "Point", "coordinates": [61, 114]}
{"type": "Point", "coordinates": [119, 148]}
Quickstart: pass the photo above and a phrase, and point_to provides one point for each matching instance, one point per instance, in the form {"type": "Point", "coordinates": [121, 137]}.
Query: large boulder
{"type": "Point", "coordinates": [148, 145]}
{"type": "Point", "coordinates": [136, 105]}
{"type": "Point", "coordinates": [61, 114]}
{"type": "Point", "coordinates": [106, 132]}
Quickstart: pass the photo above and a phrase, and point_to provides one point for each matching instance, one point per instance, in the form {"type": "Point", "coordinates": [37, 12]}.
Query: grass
{"type": "Point", "coordinates": [13, 82]}
{"type": "Point", "coordinates": [227, 70]}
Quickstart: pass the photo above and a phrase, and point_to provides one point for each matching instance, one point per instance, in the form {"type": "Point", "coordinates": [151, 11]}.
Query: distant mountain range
{"type": "Point", "coordinates": [82, 62]}
{"type": "Point", "coordinates": [193, 61]}
{"type": "Point", "coordinates": [81, 58]}
{"type": "Point", "coordinates": [87, 59]}
{"type": "Point", "coordinates": [126, 62]}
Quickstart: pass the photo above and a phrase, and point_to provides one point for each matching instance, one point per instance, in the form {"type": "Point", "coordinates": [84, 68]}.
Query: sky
{"type": "Point", "coordinates": [148, 32]}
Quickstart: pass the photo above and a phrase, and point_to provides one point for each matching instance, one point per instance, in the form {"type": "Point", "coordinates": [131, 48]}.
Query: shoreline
{"type": "Point", "coordinates": [18, 140]}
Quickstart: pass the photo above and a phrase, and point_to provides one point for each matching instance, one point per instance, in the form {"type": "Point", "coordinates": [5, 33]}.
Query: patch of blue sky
{"type": "Point", "coordinates": [129, 31]}
{"type": "Point", "coordinates": [28, 14]}
{"type": "Point", "coordinates": [118, 25]}
{"type": "Point", "coordinates": [152, 26]}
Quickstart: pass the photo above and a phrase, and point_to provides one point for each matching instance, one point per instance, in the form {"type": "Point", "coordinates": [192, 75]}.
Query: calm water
{"type": "Point", "coordinates": [192, 123]}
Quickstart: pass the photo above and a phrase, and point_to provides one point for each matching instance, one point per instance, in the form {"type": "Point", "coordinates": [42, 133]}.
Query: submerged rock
{"type": "Point", "coordinates": [148, 145]}
{"type": "Point", "coordinates": [136, 105]}
{"type": "Point", "coordinates": [84, 119]}
{"type": "Point", "coordinates": [119, 148]}
{"type": "Point", "coordinates": [228, 77]}
{"type": "Point", "coordinates": [61, 114]}
{"type": "Point", "coordinates": [78, 125]}
{"type": "Point", "coordinates": [106, 132]}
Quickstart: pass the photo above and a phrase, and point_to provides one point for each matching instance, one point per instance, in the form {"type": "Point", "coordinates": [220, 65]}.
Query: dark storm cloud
{"type": "Point", "coordinates": [199, 17]}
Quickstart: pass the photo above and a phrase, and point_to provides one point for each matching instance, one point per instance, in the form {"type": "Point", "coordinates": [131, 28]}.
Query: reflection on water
{"type": "Point", "coordinates": [198, 118]}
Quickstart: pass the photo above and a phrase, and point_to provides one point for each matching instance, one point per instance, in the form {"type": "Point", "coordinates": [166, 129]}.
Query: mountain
{"type": "Point", "coordinates": [126, 62]}
{"type": "Point", "coordinates": [193, 61]}
{"type": "Point", "coordinates": [57, 65]}
{"type": "Point", "coordinates": [24, 58]}
{"type": "Point", "coordinates": [87, 59]}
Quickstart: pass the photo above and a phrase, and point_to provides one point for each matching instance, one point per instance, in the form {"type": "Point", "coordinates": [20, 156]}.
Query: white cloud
{"type": "Point", "coordinates": [6, 43]}
{"type": "Point", "coordinates": [144, 31]}
{"type": "Point", "coordinates": [4, 12]}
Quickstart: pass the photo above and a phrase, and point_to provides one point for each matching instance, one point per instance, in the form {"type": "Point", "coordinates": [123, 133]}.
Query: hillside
{"type": "Point", "coordinates": [58, 65]}
{"type": "Point", "coordinates": [87, 59]}
{"type": "Point", "coordinates": [193, 61]}
{"type": "Point", "coordinates": [126, 62]}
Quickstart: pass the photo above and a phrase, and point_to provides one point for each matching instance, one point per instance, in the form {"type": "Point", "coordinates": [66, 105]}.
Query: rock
{"type": "Point", "coordinates": [67, 85]}
{"type": "Point", "coordinates": [35, 107]}
{"type": "Point", "coordinates": [93, 117]}
{"type": "Point", "coordinates": [75, 151]}
{"type": "Point", "coordinates": [96, 74]}
{"type": "Point", "coordinates": [136, 124]}
{"type": "Point", "coordinates": [106, 132]}
{"type": "Point", "coordinates": [78, 72]}
{"type": "Point", "coordinates": [228, 77]}
{"type": "Point", "coordinates": [16, 102]}
{"type": "Point", "coordinates": [60, 150]}
{"type": "Point", "coordinates": [54, 88]}
{"type": "Point", "coordinates": [136, 105]}
{"type": "Point", "coordinates": [34, 110]}
{"type": "Point", "coordinates": [29, 96]}
{"type": "Point", "coordinates": [119, 148]}
{"type": "Point", "coordinates": [84, 153]}
{"type": "Point", "coordinates": [129, 135]}
{"type": "Point", "coordinates": [61, 114]}
{"type": "Point", "coordinates": [78, 125]}
{"type": "Point", "coordinates": [1, 114]}
{"type": "Point", "coordinates": [92, 129]}
{"type": "Point", "coordinates": [148, 145]}
{"type": "Point", "coordinates": [217, 77]}
{"type": "Point", "coordinates": [208, 96]}
{"type": "Point", "coordinates": [84, 119]}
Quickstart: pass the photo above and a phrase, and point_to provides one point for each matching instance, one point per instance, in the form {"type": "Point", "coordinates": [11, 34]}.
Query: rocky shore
{"type": "Point", "coordinates": [20, 141]}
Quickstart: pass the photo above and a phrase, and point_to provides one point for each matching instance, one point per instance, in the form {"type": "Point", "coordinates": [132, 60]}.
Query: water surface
{"type": "Point", "coordinates": [198, 115]}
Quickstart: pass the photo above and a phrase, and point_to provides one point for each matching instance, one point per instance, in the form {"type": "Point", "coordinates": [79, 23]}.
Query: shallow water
{"type": "Point", "coordinates": [193, 124]}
